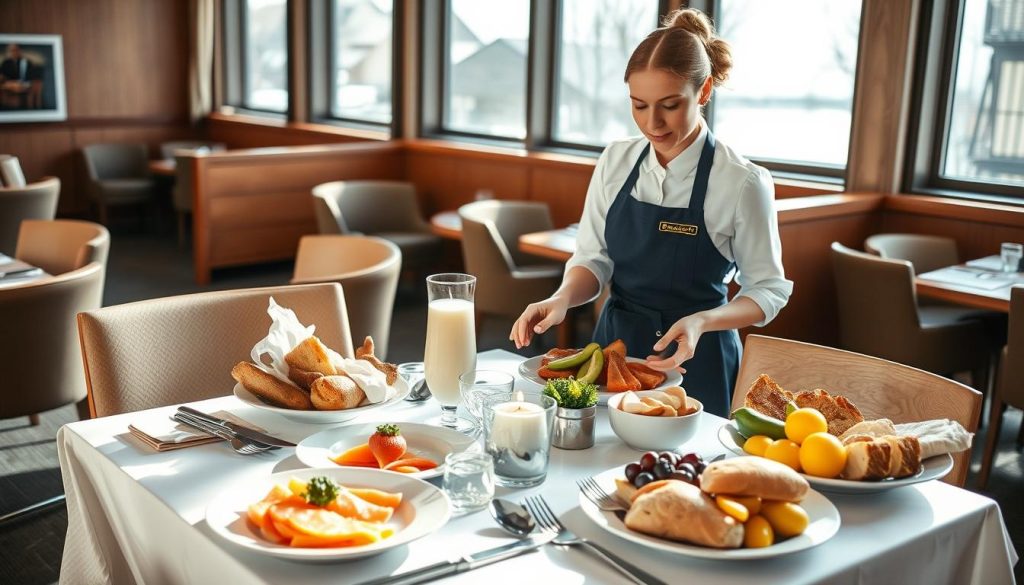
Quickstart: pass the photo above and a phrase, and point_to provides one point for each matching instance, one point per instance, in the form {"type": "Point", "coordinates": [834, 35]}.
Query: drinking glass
{"type": "Point", "coordinates": [412, 372]}
{"type": "Point", "coordinates": [477, 385]}
{"type": "Point", "coordinates": [517, 436]}
{"type": "Point", "coordinates": [450, 347]}
{"type": "Point", "coordinates": [1011, 254]}
{"type": "Point", "coordinates": [468, 480]}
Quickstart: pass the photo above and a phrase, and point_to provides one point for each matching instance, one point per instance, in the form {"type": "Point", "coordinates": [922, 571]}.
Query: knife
{"type": "Point", "coordinates": [466, 563]}
{"type": "Point", "coordinates": [238, 429]}
{"type": "Point", "coordinates": [216, 430]}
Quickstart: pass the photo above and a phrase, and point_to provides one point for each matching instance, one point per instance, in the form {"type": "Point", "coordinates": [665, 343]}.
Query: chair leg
{"type": "Point", "coordinates": [994, 426]}
{"type": "Point", "coordinates": [33, 419]}
{"type": "Point", "coordinates": [980, 380]}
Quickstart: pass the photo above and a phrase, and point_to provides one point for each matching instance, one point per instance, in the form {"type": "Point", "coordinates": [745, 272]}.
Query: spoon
{"type": "Point", "coordinates": [514, 518]}
{"type": "Point", "coordinates": [419, 391]}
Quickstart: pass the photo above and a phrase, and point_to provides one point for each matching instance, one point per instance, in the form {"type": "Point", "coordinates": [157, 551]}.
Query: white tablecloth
{"type": "Point", "coordinates": [137, 516]}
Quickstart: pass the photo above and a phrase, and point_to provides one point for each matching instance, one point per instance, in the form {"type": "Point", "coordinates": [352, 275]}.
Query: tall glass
{"type": "Point", "coordinates": [451, 341]}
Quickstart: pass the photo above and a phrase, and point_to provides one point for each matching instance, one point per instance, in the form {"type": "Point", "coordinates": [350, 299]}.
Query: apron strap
{"type": "Point", "coordinates": [700, 182]}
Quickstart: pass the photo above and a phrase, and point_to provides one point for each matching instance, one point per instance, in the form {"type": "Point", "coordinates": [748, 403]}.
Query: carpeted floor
{"type": "Point", "coordinates": [147, 266]}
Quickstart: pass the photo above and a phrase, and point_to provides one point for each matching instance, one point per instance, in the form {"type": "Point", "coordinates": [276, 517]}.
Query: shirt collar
{"type": "Point", "coordinates": [685, 161]}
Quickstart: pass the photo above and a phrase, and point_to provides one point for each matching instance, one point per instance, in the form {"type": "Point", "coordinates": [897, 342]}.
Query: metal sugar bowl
{"type": "Point", "coordinates": [574, 428]}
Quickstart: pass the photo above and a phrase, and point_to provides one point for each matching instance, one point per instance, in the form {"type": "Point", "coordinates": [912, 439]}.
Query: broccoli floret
{"type": "Point", "coordinates": [571, 393]}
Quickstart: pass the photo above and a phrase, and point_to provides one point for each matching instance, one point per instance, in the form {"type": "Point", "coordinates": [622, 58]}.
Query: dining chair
{"type": "Point", "coordinates": [507, 279]}
{"type": "Point", "coordinates": [367, 268]}
{"type": "Point", "coordinates": [181, 349]}
{"type": "Point", "coordinates": [879, 388]}
{"type": "Point", "coordinates": [62, 245]}
{"type": "Point", "coordinates": [924, 252]}
{"type": "Point", "coordinates": [878, 316]}
{"type": "Point", "coordinates": [34, 201]}
{"type": "Point", "coordinates": [1009, 386]}
{"type": "Point", "coordinates": [386, 209]}
{"type": "Point", "coordinates": [169, 150]}
{"type": "Point", "coordinates": [118, 174]}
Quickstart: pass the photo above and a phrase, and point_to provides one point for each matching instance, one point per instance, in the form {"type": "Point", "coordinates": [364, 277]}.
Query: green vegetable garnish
{"type": "Point", "coordinates": [571, 393]}
{"type": "Point", "coordinates": [320, 491]}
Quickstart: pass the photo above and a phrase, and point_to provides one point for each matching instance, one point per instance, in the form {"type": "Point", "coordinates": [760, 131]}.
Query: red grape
{"type": "Point", "coordinates": [647, 460]}
{"type": "Point", "coordinates": [643, 478]}
{"type": "Point", "coordinates": [631, 471]}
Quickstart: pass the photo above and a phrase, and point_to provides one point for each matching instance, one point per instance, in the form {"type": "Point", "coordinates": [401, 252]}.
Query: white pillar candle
{"type": "Point", "coordinates": [520, 427]}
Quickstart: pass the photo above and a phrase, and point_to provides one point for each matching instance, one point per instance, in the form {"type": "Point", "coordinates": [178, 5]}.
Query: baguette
{"type": "Point", "coordinates": [754, 476]}
{"type": "Point", "coordinates": [270, 389]}
{"type": "Point", "coordinates": [302, 378]}
{"type": "Point", "coordinates": [336, 393]}
{"type": "Point", "coordinates": [312, 356]}
{"type": "Point", "coordinates": [680, 511]}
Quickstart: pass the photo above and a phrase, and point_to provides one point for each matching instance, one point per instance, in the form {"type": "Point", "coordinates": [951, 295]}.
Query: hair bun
{"type": "Point", "coordinates": [693, 21]}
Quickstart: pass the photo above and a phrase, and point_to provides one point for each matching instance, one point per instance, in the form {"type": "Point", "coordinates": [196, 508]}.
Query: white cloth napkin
{"type": "Point", "coordinates": [938, 436]}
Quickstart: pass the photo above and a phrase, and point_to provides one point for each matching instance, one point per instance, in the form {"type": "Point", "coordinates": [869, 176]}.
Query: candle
{"type": "Point", "coordinates": [520, 427]}
{"type": "Point", "coordinates": [517, 435]}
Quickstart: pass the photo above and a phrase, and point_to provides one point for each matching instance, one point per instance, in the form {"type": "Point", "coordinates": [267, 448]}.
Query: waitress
{"type": "Point", "coordinates": [669, 218]}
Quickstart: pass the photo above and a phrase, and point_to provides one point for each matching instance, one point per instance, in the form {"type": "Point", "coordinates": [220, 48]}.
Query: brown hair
{"type": "Point", "coordinates": [685, 45]}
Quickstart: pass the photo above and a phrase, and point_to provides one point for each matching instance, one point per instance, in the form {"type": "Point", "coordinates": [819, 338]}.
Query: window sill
{"type": "Point", "coordinates": [277, 122]}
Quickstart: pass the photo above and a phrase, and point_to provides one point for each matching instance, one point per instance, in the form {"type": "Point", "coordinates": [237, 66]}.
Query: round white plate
{"type": "Point", "coordinates": [824, 523]}
{"type": "Point", "coordinates": [321, 416]}
{"type": "Point", "coordinates": [932, 468]}
{"type": "Point", "coordinates": [431, 442]}
{"type": "Point", "coordinates": [528, 370]}
{"type": "Point", "coordinates": [424, 510]}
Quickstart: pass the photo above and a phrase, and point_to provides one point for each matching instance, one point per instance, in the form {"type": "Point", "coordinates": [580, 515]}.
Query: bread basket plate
{"type": "Point", "coordinates": [528, 370]}
{"type": "Point", "coordinates": [932, 468]}
{"type": "Point", "coordinates": [429, 441]}
{"type": "Point", "coordinates": [322, 416]}
{"type": "Point", "coordinates": [424, 510]}
{"type": "Point", "coordinates": [824, 523]}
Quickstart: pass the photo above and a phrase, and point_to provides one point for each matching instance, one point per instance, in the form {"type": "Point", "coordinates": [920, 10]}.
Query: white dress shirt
{"type": "Point", "coordinates": [739, 211]}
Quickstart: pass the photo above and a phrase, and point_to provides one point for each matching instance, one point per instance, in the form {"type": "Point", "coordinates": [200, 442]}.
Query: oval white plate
{"type": "Point", "coordinates": [427, 441]}
{"type": "Point", "coordinates": [528, 370]}
{"type": "Point", "coordinates": [424, 510]}
{"type": "Point", "coordinates": [823, 515]}
{"type": "Point", "coordinates": [321, 416]}
{"type": "Point", "coordinates": [932, 468]}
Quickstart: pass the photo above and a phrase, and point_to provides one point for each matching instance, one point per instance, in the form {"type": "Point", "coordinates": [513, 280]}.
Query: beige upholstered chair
{"type": "Point", "coordinates": [118, 175]}
{"type": "Point", "coordinates": [34, 201]}
{"type": "Point", "coordinates": [1009, 387]}
{"type": "Point", "coordinates": [168, 150]}
{"type": "Point", "coordinates": [180, 349]}
{"type": "Point", "coordinates": [367, 269]}
{"type": "Point", "coordinates": [879, 388]}
{"type": "Point", "coordinates": [878, 316]}
{"type": "Point", "coordinates": [386, 209]}
{"type": "Point", "coordinates": [62, 245]}
{"type": "Point", "coordinates": [40, 342]}
{"type": "Point", "coordinates": [925, 253]}
{"type": "Point", "coordinates": [507, 279]}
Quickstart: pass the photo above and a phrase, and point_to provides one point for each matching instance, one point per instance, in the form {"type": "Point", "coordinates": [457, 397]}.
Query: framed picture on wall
{"type": "Point", "coordinates": [31, 78]}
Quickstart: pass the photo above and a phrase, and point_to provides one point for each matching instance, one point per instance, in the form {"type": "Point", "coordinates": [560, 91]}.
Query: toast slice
{"type": "Point", "coordinates": [840, 413]}
{"type": "Point", "coordinates": [767, 397]}
{"type": "Point", "coordinates": [620, 378]}
{"type": "Point", "coordinates": [649, 378]}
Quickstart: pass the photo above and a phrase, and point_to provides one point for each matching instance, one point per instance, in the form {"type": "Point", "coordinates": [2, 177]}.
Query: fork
{"type": "Point", "coordinates": [599, 496]}
{"type": "Point", "coordinates": [547, 520]}
{"type": "Point", "coordinates": [241, 447]}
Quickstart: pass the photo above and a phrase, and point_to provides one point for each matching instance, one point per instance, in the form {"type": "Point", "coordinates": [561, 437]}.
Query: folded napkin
{"type": "Point", "coordinates": [937, 436]}
{"type": "Point", "coordinates": [162, 433]}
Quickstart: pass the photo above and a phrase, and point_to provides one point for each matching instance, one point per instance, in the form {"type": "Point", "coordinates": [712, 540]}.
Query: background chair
{"type": "Point", "coordinates": [879, 388]}
{"type": "Point", "coordinates": [507, 279]}
{"type": "Point", "coordinates": [367, 269]}
{"type": "Point", "coordinates": [925, 253]}
{"type": "Point", "coordinates": [386, 209]}
{"type": "Point", "coordinates": [34, 201]}
{"type": "Point", "coordinates": [118, 175]}
{"type": "Point", "coordinates": [169, 149]}
{"type": "Point", "coordinates": [878, 316]}
{"type": "Point", "coordinates": [1009, 387]}
{"type": "Point", "coordinates": [62, 245]}
{"type": "Point", "coordinates": [180, 349]}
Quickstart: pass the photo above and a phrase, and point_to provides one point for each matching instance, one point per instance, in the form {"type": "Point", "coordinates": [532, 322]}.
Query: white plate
{"type": "Point", "coordinates": [424, 510]}
{"type": "Point", "coordinates": [321, 416]}
{"type": "Point", "coordinates": [932, 468]}
{"type": "Point", "coordinates": [824, 523]}
{"type": "Point", "coordinates": [427, 441]}
{"type": "Point", "coordinates": [528, 370]}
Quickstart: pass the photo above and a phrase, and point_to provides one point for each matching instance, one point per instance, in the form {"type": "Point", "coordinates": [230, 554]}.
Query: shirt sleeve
{"type": "Point", "coordinates": [591, 249]}
{"type": "Point", "coordinates": [757, 248]}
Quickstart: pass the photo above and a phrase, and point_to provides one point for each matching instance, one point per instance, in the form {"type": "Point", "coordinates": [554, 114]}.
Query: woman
{"type": "Point", "coordinates": [668, 219]}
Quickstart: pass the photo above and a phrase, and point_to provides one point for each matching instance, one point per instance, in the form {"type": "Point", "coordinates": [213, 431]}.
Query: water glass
{"type": "Point", "coordinates": [412, 373]}
{"type": "Point", "coordinates": [1011, 254]}
{"type": "Point", "coordinates": [517, 436]}
{"type": "Point", "coordinates": [450, 348]}
{"type": "Point", "coordinates": [468, 481]}
{"type": "Point", "coordinates": [477, 385]}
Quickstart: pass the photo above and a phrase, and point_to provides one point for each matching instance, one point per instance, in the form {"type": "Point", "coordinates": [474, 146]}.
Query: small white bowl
{"type": "Point", "coordinates": [653, 433]}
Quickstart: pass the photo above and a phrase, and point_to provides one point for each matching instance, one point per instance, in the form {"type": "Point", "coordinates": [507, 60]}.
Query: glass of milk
{"type": "Point", "coordinates": [450, 349]}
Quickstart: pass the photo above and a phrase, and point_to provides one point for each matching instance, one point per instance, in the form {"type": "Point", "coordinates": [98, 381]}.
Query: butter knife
{"type": "Point", "coordinates": [241, 431]}
{"type": "Point", "coordinates": [466, 563]}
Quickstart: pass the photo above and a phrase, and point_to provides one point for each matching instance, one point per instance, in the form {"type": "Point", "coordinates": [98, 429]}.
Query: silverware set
{"type": "Point", "coordinates": [241, 445]}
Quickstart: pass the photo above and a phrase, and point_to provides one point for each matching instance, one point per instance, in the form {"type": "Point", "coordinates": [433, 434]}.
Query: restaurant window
{"type": "Point", "coordinates": [264, 43]}
{"type": "Point", "coordinates": [789, 98]}
{"type": "Point", "coordinates": [596, 37]}
{"type": "Point", "coordinates": [485, 62]}
{"type": "Point", "coordinates": [361, 67]}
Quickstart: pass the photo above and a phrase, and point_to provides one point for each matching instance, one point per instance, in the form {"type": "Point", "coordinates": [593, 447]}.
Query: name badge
{"type": "Point", "coordinates": [677, 228]}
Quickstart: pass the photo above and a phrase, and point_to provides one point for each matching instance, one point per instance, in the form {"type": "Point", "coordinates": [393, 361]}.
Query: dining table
{"type": "Point", "coordinates": [164, 167]}
{"type": "Point", "coordinates": [979, 283]}
{"type": "Point", "coordinates": [136, 515]}
{"type": "Point", "coordinates": [15, 272]}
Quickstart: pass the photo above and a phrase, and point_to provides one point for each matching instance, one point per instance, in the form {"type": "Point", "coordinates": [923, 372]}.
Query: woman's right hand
{"type": "Point", "coordinates": [538, 318]}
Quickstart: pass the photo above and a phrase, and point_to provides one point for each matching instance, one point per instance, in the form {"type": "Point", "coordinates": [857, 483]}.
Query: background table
{"type": "Point", "coordinates": [963, 285]}
{"type": "Point", "coordinates": [163, 167]}
{"type": "Point", "coordinates": [135, 515]}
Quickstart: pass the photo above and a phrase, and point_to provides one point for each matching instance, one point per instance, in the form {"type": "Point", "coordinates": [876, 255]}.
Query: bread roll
{"type": "Point", "coordinates": [312, 356]}
{"type": "Point", "coordinates": [867, 460]}
{"type": "Point", "coordinates": [302, 378]}
{"type": "Point", "coordinates": [336, 393]}
{"type": "Point", "coordinates": [754, 476]}
{"type": "Point", "coordinates": [365, 352]}
{"type": "Point", "coordinates": [680, 511]}
{"type": "Point", "coordinates": [269, 388]}
{"type": "Point", "coordinates": [905, 458]}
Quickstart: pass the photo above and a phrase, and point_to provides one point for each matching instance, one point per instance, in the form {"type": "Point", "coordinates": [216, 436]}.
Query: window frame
{"type": "Point", "coordinates": [235, 34]}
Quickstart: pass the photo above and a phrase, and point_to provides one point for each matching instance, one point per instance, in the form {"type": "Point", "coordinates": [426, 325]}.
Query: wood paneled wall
{"type": "Point", "coordinates": [125, 66]}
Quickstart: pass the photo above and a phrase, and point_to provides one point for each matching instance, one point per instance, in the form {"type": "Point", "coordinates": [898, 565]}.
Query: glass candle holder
{"type": "Point", "coordinates": [517, 436]}
{"type": "Point", "coordinates": [478, 385]}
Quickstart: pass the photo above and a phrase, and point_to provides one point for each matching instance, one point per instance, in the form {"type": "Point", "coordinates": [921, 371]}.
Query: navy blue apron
{"type": "Point", "coordinates": [665, 268]}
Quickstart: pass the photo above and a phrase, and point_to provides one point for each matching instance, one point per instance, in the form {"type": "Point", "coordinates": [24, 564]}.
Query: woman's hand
{"type": "Point", "coordinates": [538, 318]}
{"type": "Point", "coordinates": [686, 332]}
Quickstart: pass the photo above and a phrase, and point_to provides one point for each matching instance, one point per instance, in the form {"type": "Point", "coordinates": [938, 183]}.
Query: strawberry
{"type": "Point", "coordinates": [387, 444]}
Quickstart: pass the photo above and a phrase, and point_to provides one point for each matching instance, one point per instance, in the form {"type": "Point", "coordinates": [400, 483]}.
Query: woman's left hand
{"type": "Point", "coordinates": [686, 332]}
